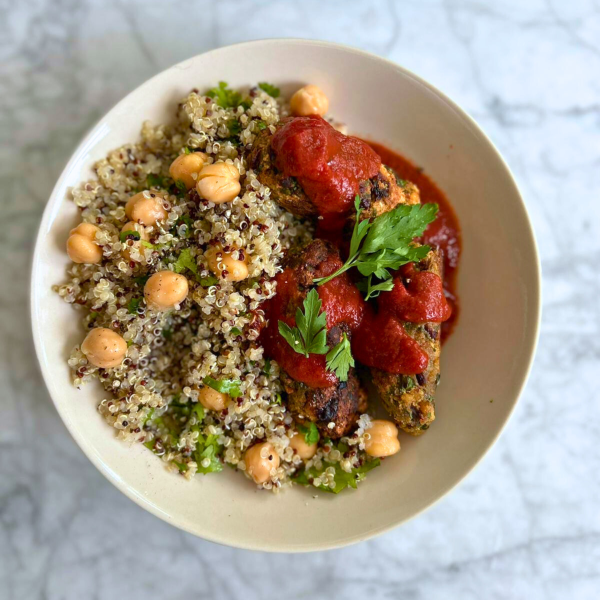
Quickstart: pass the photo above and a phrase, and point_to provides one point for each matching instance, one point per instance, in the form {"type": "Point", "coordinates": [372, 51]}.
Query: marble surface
{"type": "Point", "coordinates": [526, 523]}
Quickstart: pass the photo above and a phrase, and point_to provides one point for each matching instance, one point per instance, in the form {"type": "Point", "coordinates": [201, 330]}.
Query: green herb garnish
{"type": "Point", "coordinates": [278, 399]}
{"type": "Point", "coordinates": [339, 359]}
{"type": "Point", "coordinates": [225, 386]}
{"type": "Point", "coordinates": [236, 331]}
{"type": "Point", "coordinates": [180, 186]}
{"type": "Point", "coordinates": [133, 305]}
{"type": "Point", "coordinates": [267, 366]}
{"type": "Point", "coordinates": [184, 261]}
{"type": "Point", "coordinates": [208, 281]}
{"type": "Point", "coordinates": [235, 127]}
{"type": "Point", "coordinates": [154, 180]}
{"type": "Point", "coordinates": [129, 234]}
{"type": "Point", "coordinates": [341, 478]}
{"type": "Point", "coordinates": [141, 280]}
{"type": "Point", "coordinates": [310, 432]}
{"type": "Point", "coordinates": [373, 290]}
{"type": "Point", "coordinates": [272, 90]}
{"type": "Point", "coordinates": [147, 244]}
{"type": "Point", "coordinates": [310, 334]}
{"type": "Point", "coordinates": [226, 97]}
{"type": "Point", "coordinates": [261, 125]}
{"type": "Point", "coordinates": [207, 447]}
{"type": "Point", "coordinates": [386, 243]}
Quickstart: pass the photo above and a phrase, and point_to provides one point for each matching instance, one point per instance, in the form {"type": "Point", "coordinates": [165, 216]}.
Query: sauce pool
{"type": "Point", "coordinates": [444, 232]}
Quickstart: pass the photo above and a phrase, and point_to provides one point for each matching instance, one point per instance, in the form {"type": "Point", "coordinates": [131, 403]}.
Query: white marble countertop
{"type": "Point", "coordinates": [526, 523]}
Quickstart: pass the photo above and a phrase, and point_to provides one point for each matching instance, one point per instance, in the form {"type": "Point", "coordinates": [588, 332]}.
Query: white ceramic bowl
{"type": "Point", "coordinates": [488, 356]}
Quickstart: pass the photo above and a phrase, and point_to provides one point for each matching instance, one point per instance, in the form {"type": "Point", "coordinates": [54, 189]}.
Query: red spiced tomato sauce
{"type": "Point", "coordinates": [444, 232]}
{"type": "Point", "coordinates": [327, 164]}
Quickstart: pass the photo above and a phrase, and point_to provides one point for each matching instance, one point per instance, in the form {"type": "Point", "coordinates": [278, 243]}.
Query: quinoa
{"type": "Point", "coordinates": [152, 397]}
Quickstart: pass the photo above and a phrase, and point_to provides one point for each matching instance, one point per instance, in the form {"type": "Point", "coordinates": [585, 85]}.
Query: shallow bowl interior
{"type": "Point", "coordinates": [488, 356]}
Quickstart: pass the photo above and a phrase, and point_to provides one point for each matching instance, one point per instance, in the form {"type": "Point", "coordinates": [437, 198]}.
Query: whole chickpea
{"type": "Point", "coordinates": [104, 348]}
{"type": "Point", "coordinates": [137, 228]}
{"type": "Point", "coordinates": [224, 265]}
{"type": "Point", "coordinates": [81, 245]}
{"type": "Point", "coordinates": [212, 399]}
{"type": "Point", "coordinates": [309, 100]}
{"type": "Point", "coordinates": [146, 208]}
{"type": "Point", "coordinates": [165, 289]}
{"type": "Point", "coordinates": [383, 440]}
{"type": "Point", "coordinates": [303, 450]}
{"type": "Point", "coordinates": [260, 460]}
{"type": "Point", "coordinates": [219, 182]}
{"type": "Point", "coordinates": [186, 166]}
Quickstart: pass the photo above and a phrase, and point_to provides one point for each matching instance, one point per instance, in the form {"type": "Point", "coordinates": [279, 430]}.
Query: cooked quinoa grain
{"type": "Point", "coordinates": [190, 334]}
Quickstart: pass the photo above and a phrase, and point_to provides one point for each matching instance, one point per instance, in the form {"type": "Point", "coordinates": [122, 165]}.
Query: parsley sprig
{"type": "Point", "coordinates": [386, 243]}
{"type": "Point", "coordinates": [339, 359]}
{"type": "Point", "coordinates": [310, 335]}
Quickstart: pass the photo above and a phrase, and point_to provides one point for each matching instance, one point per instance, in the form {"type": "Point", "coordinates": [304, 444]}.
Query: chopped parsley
{"type": "Point", "coordinates": [133, 305]}
{"type": "Point", "coordinates": [261, 125]}
{"type": "Point", "coordinates": [208, 281]}
{"type": "Point", "coordinates": [208, 448]}
{"type": "Point", "coordinates": [267, 366]}
{"type": "Point", "coordinates": [129, 234]}
{"type": "Point", "coordinates": [386, 242]}
{"type": "Point", "coordinates": [227, 98]}
{"type": "Point", "coordinates": [341, 478]}
{"type": "Point", "coordinates": [234, 126]}
{"type": "Point", "coordinates": [225, 386]}
{"type": "Point", "coordinates": [339, 359]}
{"type": "Point", "coordinates": [141, 280]}
{"type": "Point", "coordinates": [184, 261]}
{"type": "Point", "coordinates": [310, 334]}
{"type": "Point", "coordinates": [183, 220]}
{"type": "Point", "coordinates": [236, 331]}
{"type": "Point", "coordinates": [310, 432]}
{"type": "Point", "coordinates": [278, 399]}
{"type": "Point", "coordinates": [272, 90]}
{"type": "Point", "coordinates": [153, 180]}
{"type": "Point", "coordinates": [180, 186]}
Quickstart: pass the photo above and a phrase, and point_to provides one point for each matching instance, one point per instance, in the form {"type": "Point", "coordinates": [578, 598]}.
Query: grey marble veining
{"type": "Point", "coordinates": [526, 523]}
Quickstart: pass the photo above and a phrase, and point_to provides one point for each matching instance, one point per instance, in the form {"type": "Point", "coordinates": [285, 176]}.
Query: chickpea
{"type": "Point", "coordinates": [303, 450]}
{"type": "Point", "coordinates": [165, 289]}
{"type": "Point", "coordinates": [383, 439]}
{"type": "Point", "coordinates": [146, 208]}
{"type": "Point", "coordinates": [219, 182]}
{"type": "Point", "coordinates": [212, 399]}
{"type": "Point", "coordinates": [81, 246]}
{"type": "Point", "coordinates": [224, 265]}
{"type": "Point", "coordinates": [185, 166]}
{"type": "Point", "coordinates": [309, 100]}
{"type": "Point", "coordinates": [260, 460]}
{"type": "Point", "coordinates": [133, 226]}
{"type": "Point", "coordinates": [104, 348]}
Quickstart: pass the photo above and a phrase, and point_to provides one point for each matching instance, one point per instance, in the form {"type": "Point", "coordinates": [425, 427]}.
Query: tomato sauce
{"type": "Point", "coordinates": [444, 232]}
{"type": "Point", "coordinates": [329, 166]}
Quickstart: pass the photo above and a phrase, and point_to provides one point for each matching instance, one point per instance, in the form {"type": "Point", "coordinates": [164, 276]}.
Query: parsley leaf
{"type": "Point", "coordinates": [267, 367]}
{"type": "Point", "coordinates": [183, 220]}
{"type": "Point", "coordinates": [235, 127]}
{"type": "Point", "coordinates": [310, 335]}
{"type": "Point", "coordinates": [339, 359]}
{"type": "Point", "coordinates": [341, 478]}
{"type": "Point", "coordinates": [387, 241]}
{"type": "Point", "coordinates": [261, 125]}
{"type": "Point", "coordinates": [225, 386]}
{"type": "Point", "coordinates": [310, 433]}
{"type": "Point", "coordinates": [133, 305]}
{"type": "Point", "coordinates": [184, 261]}
{"type": "Point", "coordinates": [208, 281]}
{"type": "Point", "coordinates": [153, 180]}
{"type": "Point", "coordinates": [225, 97]}
{"type": "Point", "coordinates": [373, 290]}
{"type": "Point", "coordinates": [207, 447]}
{"type": "Point", "coordinates": [180, 186]}
{"type": "Point", "coordinates": [236, 331]}
{"type": "Point", "coordinates": [272, 90]}
{"type": "Point", "coordinates": [128, 234]}
{"type": "Point", "coordinates": [141, 280]}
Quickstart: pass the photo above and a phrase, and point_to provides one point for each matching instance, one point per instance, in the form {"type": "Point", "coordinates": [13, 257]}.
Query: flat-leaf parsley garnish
{"type": "Point", "coordinates": [226, 97]}
{"type": "Point", "coordinates": [128, 234]}
{"type": "Point", "coordinates": [386, 243]}
{"type": "Point", "coordinates": [272, 90]}
{"type": "Point", "coordinates": [310, 433]}
{"type": "Point", "coordinates": [225, 386]}
{"type": "Point", "coordinates": [339, 359]}
{"type": "Point", "coordinates": [310, 334]}
{"type": "Point", "coordinates": [184, 261]}
{"type": "Point", "coordinates": [341, 478]}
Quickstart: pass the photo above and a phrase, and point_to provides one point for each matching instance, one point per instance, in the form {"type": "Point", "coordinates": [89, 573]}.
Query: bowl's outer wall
{"type": "Point", "coordinates": [488, 356]}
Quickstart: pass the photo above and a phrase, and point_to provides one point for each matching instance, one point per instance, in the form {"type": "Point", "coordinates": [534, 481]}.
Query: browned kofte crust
{"type": "Point", "coordinates": [378, 195]}
{"type": "Point", "coordinates": [339, 404]}
{"type": "Point", "coordinates": [410, 398]}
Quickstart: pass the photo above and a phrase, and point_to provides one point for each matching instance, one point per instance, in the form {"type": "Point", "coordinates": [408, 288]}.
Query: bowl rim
{"type": "Point", "coordinates": [54, 202]}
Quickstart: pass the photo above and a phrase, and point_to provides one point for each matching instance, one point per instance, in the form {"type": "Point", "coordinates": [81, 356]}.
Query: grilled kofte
{"type": "Point", "coordinates": [407, 391]}
{"type": "Point", "coordinates": [322, 398]}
